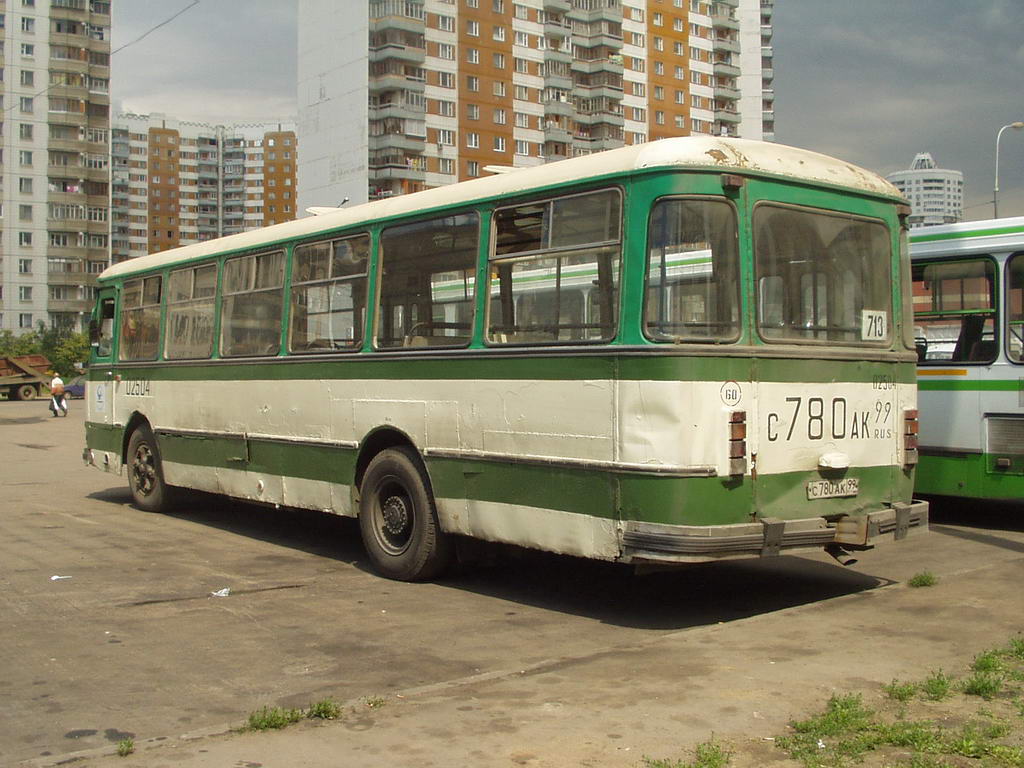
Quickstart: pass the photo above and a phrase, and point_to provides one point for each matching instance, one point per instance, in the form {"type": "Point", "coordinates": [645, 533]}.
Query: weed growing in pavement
{"type": "Point", "coordinates": [325, 709]}
{"type": "Point", "coordinates": [988, 661]}
{"type": "Point", "coordinates": [709, 754]}
{"type": "Point", "coordinates": [937, 685]}
{"type": "Point", "coordinates": [900, 691]}
{"type": "Point", "coordinates": [1016, 648]}
{"type": "Point", "coordinates": [374, 702]}
{"type": "Point", "coordinates": [271, 718]}
{"type": "Point", "coordinates": [847, 730]}
{"type": "Point", "coordinates": [984, 684]}
{"type": "Point", "coordinates": [125, 747]}
{"type": "Point", "coordinates": [923, 579]}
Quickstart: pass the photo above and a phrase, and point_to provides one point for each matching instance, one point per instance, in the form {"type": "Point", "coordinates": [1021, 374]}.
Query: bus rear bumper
{"type": "Point", "coordinates": [105, 460]}
{"type": "Point", "coordinates": [659, 543]}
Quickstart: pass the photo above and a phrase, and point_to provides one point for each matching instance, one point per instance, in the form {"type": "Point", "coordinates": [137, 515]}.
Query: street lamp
{"type": "Point", "coordinates": [995, 194]}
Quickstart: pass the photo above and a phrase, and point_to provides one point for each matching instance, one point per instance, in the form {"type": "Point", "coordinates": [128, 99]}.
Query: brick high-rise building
{"type": "Point", "coordinates": [176, 182]}
{"type": "Point", "coordinates": [400, 95]}
{"type": "Point", "coordinates": [54, 188]}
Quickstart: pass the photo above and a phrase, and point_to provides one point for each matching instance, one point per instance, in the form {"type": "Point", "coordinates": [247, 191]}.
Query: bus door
{"type": "Point", "coordinates": [829, 424]}
{"type": "Point", "coordinates": [99, 389]}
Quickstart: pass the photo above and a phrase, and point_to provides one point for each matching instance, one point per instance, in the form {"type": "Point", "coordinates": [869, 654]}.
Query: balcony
{"type": "Point", "coordinates": [556, 30]}
{"type": "Point", "coordinates": [556, 133]}
{"type": "Point", "coordinates": [557, 6]}
{"type": "Point", "coordinates": [726, 44]}
{"type": "Point", "coordinates": [724, 21]}
{"type": "Point", "coordinates": [726, 69]}
{"type": "Point", "coordinates": [399, 110]}
{"type": "Point", "coordinates": [727, 93]}
{"type": "Point", "coordinates": [399, 142]}
{"type": "Point", "coordinates": [557, 55]}
{"type": "Point", "coordinates": [394, 81]}
{"type": "Point", "coordinates": [727, 116]}
{"type": "Point", "coordinates": [69, 305]}
{"type": "Point", "coordinates": [398, 52]}
{"type": "Point", "coordinates": [559, 108]}
{"type": "Point", "coordinates": [593, 66]}
{"type": "Point", "coordinates": [397, 173]}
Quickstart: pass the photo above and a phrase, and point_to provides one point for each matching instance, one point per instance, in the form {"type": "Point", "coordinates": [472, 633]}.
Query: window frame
{"type": "Point", "coordinates": [739, 268]}
{"type": "Point", "coordinates": [1004, 295]}
{"type": "Point", "coordinates": [828, 213]}
{"type": "Point", "coordinates": [997, 290]}
{"type": "Point", "coordinates": [494, 258]}
{"type": "Point", "coordinates": [357, 342]}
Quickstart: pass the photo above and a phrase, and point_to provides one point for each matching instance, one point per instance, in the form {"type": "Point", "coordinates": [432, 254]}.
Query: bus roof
{"type": "Point", "coordinates": [968, 237]}
{"type": "Point", "coordinates": [723, 155]}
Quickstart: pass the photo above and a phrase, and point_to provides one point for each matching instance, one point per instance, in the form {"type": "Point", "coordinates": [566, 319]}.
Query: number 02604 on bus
{"type": "Point", "coordinates": [674, 352]}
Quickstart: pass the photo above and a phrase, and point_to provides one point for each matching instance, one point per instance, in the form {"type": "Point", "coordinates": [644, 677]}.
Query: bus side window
{"type": "Point", "coordinates": [103, 339]}
{"type": "Point", "coordinates": [954, 311]}
{"type": "Point", "coordinates": [555, 270]}
{"type": "Point", "coordinates": [427, 280]}
{"type": "Point", "coordinates": [1015, 307]}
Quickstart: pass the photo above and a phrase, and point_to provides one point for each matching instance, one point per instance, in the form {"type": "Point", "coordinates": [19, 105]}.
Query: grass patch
{"type": "Point", "coordinates": [937, 686]}
{"type": "Point", "coordinates": [984, 684]}
{"type": "Point", "coordinates": [709, 754]}
{"type": "Point", "coordinates": [325, 709]}
{"type": "Point", "coordinates": [125, 747]}
{"type": "Point", "coordinates": [923, 579]}
{"type": "Point", "coordinates": [898, 691]}
{"type": "Point", "coordinates": [273, 718]}
{"type": "Point", "coordinates": [374, 702]}
{"type": "Point", "coordinates": [990, 737]}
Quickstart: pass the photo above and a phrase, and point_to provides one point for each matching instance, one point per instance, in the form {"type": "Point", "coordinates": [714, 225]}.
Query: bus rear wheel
{"type": "Point", "coordinates": [398, 519]}
{"type": "Point", "coordinates": [145, 472]}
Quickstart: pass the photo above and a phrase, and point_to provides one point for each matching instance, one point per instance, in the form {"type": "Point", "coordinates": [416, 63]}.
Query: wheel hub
{"type": "Point", "coordinates": [395, 514]}
{"type": "Point", "coordinates": [143, 470]}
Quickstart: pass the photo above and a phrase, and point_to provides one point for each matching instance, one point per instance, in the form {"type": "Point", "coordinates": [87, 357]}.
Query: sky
{"type": "Point", "coordinates": [873, 82]}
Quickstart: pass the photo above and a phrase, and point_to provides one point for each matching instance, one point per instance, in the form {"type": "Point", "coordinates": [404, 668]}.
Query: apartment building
{"type": "Point", "coordinates": [54, 192]}
{"type": "Point", "coordinates": [421, 93]}
{"type": "Point", "coordinates": [936, 194]}
{"type": "Point", "coordinates": [176, 182]}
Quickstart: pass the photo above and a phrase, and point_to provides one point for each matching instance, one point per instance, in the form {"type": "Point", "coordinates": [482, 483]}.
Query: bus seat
{"type": "Point", "coordinates": [983, 351]}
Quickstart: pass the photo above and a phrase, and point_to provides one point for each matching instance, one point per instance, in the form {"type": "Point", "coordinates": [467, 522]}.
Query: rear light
{"type": "Point", "coordinates": [910, 430]}
{"type": "Point", "coordinates": [738, 443]}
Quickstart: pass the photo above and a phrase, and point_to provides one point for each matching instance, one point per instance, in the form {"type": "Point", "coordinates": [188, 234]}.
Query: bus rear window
{"type": "Point", "coordinates": [692, 272]}
{"type": "Point", "coordinates": [822, 277]}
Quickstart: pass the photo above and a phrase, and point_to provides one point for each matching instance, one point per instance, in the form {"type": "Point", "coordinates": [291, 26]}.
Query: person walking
{"type": "Point", "coordinates": [58, 402]}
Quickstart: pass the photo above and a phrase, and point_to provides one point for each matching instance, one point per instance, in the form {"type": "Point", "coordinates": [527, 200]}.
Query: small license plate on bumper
{"type": "Point", "coordinates": [833, 489]}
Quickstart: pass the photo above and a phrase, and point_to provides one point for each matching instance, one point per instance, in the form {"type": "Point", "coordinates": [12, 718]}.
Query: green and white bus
{"type": "Point", "coordinates": [692, 349]}
{"type": "Point", "coordinates": [969, 326]}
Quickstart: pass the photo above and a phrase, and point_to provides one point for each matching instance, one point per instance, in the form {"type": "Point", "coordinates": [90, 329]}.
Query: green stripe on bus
{"type": "Point", "coordinates": [993, 232]}
{"type": "Point", "coordinates": [593, 492]}
{"type": "Point", "coordinates": [948, 385]}
{"type": "Point", "coordinates": [567, 367]}
{"type": "Point", "coordinates": [969, 476]}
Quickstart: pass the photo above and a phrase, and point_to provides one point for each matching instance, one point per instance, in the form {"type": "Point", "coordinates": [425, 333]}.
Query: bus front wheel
{"type": "Point", "coordinates": [145, 472]}
{"type": "Point", "coordinates": [398, 518]}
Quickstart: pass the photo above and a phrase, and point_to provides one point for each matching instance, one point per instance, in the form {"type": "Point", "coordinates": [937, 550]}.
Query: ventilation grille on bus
{"type": "Point", "coordinates": [1005, 435]}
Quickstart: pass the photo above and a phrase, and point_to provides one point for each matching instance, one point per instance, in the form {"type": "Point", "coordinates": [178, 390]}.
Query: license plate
{"type": "Point", "coordinates": [833, 489]}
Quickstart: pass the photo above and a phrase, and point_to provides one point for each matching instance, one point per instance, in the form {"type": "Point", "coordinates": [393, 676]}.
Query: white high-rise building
{"type": "Point", "coordinates": [54, 192]}
{"type": "Point", "coordinates": [400, 95]}
{"type": "Point", "coordinates": [936, 194]}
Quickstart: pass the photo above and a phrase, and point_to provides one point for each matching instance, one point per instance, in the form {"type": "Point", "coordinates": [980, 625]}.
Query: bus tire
{"type": "Point", "coordinates": [398, 518]}
{"type": "Point", "coordinates": [25, 392]}
{"type": "Point", "coordinates": [145, 472]}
